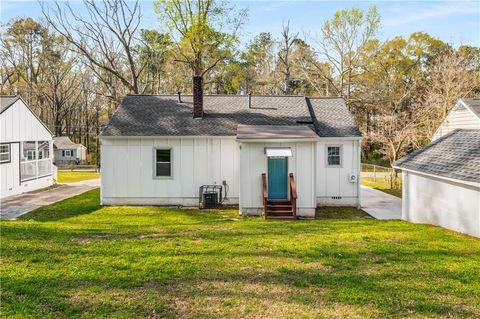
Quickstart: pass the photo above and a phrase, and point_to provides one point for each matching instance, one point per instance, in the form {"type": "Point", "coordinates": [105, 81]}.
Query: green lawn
{"type": "Point", "coordinates": [77, 259]}
{"type": "Point", "coordinates": [71, 177]}
{"type": "Point", "coordinates": [383, 185]}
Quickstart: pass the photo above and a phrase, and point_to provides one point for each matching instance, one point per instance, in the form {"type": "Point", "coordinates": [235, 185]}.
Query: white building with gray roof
{"type": "Point", "coordinates": [25, 149]}
{"type": "Point", "coordinates": [441, 182]}
{"type": "Point", "coordinates": [281, 156]}
{"type": "Point", "coordinates": [67, 152]}
{"type": "Point", "coordinates": [464, 115]}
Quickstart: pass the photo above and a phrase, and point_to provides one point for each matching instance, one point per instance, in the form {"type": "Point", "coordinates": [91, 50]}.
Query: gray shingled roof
{"type": "Point", "coordinates": [455, 155]}
{"type": "Point", "coordinates": [64, 143]}
{"type": "Point", "coordinates": [6, 101]}
{"type": "Point", "coordinates": [473, 104]}
{"type": "Point", "coordinates": [164, 115]}
{"type": "Point", "coordinates": [332, 117]}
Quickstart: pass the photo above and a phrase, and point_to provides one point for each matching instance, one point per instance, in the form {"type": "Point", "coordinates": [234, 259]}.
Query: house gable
{"type": "Point", "coordinates": [20, 123]}
{"type": "Point", "coordinates": [464, 115]}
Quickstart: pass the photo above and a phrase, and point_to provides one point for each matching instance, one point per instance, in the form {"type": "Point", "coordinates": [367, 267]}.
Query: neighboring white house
{"type": "Point", "coordinates": [25, 149]}
{"type": "Point", "coordinates": [441, 182]}
{"type": "Point", "coordinates": [67, 152]}
{"type": "Point", "coordinates": [159, 150]}
{"type": "Point", "coordinates": [464, 115]}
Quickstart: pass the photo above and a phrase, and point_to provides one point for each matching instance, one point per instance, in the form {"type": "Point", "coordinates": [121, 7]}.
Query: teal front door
{"type": "Point", "coordinates": [277, 178]}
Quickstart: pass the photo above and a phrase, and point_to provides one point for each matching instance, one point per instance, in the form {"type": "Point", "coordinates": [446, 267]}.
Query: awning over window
{"type": "Point", "coordinates": [278, 152]}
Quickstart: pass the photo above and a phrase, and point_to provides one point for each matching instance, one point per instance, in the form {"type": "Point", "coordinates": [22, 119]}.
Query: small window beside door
{"type": "Point", "coordinates": [163, 162]}
{"type": "Point", "coordinates": [334, 156]}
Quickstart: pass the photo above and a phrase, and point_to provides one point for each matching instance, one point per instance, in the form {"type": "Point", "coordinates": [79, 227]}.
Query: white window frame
{"type": "Point", "coordinates": [155, 162]}
{"type": "Point", "coordinates": [9, 152]}
{"type": "Point", "coordinates": [340, 155]}
{"type": "Point", "coordinates": [41, 153]}
{"type": "Point", "coordinates": [70, 153]}
{"type": "Point", "coordinates": [34, 152]}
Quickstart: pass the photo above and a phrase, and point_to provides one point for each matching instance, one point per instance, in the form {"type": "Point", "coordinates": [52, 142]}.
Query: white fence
{"type": "Point", "coordinates": [375, 171]}
{"type": "Point", "coordinates": [387, 176]}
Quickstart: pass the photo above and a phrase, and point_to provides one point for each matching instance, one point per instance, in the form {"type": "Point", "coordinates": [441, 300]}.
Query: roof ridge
{"type": "Point", "coordinates": [324, 97]}
{"type": "Point", "coordinates": [221, 95]}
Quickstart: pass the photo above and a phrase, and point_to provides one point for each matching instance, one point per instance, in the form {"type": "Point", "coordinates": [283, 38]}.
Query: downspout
{"type": "Point", "coordinates": [359, 168]}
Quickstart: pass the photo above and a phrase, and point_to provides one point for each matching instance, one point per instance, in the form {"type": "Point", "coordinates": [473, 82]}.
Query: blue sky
{"type": "Point", "coordinates": [456, 22]}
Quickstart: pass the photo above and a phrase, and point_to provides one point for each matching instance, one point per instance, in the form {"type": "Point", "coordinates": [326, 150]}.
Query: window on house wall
{"type": "Point", "coordinates": [163, 162]}
{"type": "Point", "coordinates": [334, 156]}
{"type": "Point", "coordinates": [43, 149]}
{"type": "Point", "coordinates": [4, 153]}
{"type": "Point", "coordinates": [67, 153]}
{"type": "Point", "coordinates": [29, 151]}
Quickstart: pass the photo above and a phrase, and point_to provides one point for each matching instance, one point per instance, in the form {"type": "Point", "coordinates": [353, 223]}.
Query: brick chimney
{"type": "Point", "coordinates": [197, 96]}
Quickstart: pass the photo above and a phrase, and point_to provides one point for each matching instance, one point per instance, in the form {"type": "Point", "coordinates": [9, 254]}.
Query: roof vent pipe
{"type": "Point", "coordinates": [179, 97]}
{"type": "Point", "coordinates": [197, 96]}
{"type": "Point", "coordinates": [249, 100]}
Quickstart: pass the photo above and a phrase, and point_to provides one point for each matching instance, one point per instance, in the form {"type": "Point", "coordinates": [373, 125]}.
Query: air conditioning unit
{"type": "Point", "coordinates": [210, 196]}
{"type": "Point", "coordinates": [352, 178]}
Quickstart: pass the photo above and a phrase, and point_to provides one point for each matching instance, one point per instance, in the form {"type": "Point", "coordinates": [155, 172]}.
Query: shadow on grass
{"type": "Point", "coordinates": [340, 212]}
{"type": "Point", "coordinates": [82, 204]}
{"type": "Point", "coordinates": [206, 264]}
{"type": "Point", "coordinates": [387, 293]}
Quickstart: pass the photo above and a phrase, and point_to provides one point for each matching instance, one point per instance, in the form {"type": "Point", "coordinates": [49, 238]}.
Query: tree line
{"type": "Point", "coordinates": [74, 67]}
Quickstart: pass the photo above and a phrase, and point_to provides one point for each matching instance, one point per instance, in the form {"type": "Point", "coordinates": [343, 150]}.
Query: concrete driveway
{"type": "Point", "coordinates": [380, 205]}
{"type": "Point", "coordinates": [14, 206]}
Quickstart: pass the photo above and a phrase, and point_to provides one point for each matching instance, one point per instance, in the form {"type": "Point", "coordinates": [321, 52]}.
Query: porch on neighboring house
{"type": "Point", "coordinates": [36, 160]}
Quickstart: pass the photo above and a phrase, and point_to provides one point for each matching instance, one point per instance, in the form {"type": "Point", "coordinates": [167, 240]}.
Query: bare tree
{"type": "Point", "coordinates": [204, 31]}
{"type": "Point", "coordinates": [343, 37]}
{"type": "Point", "coordinates": [450, 79]}
{"type": "Point", "coordinates": [287, 43]}
{"type": "Point", "coordinates": [26, 47]}
{"type": "Point", "coordinates": [106, 38]}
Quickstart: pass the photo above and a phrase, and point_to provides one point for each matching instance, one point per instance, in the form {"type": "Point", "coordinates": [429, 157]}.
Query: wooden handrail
{"type": "Point", "coordinates": [265, 192]}
{"type": "Point", "coordinates": [293, 194]}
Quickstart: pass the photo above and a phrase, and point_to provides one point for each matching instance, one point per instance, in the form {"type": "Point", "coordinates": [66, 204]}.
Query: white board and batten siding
{"type": "Point", "coordinates": [18, 124]}
{"type": "Point", "coordinates": [449, 204]}
{"type": "Point", "coordinates": [460, 117]}
{"type": "Point", "coordinates": [253, 162]}
{"type": "Point", "coordinates": [128, 170]}
{"type": "Point", "coordinates": [333, 185]}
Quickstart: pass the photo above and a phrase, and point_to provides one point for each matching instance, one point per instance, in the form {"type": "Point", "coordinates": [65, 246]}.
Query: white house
{"type": "Point", "coordinates": [67, 152]}
{"type": "Point", "coordinates": [441, 182]}
{"type": "Point", "coordinates": [464, 115]}
{"type": "Point", "coordinates": [25, 149]}
{"type": "Point", "coordinates": [283, 155]}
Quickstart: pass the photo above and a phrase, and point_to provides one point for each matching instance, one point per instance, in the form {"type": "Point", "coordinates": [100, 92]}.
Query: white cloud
{"type": "Point", "coordinates": [414, 14]}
